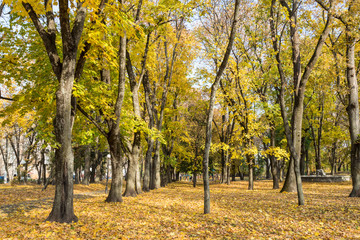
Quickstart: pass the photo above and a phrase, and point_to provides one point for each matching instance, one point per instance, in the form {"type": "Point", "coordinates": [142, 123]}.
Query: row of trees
{"type": "Point", "coordinates": [138, 80]}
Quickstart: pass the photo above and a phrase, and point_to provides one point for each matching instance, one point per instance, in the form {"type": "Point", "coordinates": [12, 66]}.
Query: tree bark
{"type": "Point", "coordinates": [130, 190]}
{"type": "Point", "coordinates": [156, 178]}
{"type": "Point", "coordinates": [148, 160]}
{"type": "Point", "coordinates": [63, 210]}
{"type": "Point", "coordinates": [353, 113]}
{"type": "Point", "coordinates": [150, 141]}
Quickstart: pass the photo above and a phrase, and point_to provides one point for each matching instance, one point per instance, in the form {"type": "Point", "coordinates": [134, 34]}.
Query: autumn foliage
{"type": "Point", "coordinates": [175, 212]}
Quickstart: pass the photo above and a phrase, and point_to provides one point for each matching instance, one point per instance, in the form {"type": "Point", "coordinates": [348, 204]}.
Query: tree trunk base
{"type": "Point", "coordinates": [62, 218]}
{"type": "Point", "coordinates": [130, 193]}
{"type": "Point", "coordinates": [355, 193]}
{"type": "Point", "coordinates": [288, 189]}
{"type": "Point", "coordinates": [113, 199]}
{"type": "Point", "coordinates": [146, 189]}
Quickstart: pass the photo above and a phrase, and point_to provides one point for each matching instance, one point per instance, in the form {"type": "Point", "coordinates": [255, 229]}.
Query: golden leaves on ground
{"type": "Point", "coordinates": [175, 212]}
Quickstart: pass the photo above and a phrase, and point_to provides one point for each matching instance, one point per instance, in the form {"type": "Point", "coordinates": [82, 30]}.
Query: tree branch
{"type": "Point", "coordinates": [48, 40]}
{"type": "Point", "coordinates": [5, 98]}
{"type": "Point", "coordinates": [91, 119]}
{"type": "Point", "coordinates": [78, 23]}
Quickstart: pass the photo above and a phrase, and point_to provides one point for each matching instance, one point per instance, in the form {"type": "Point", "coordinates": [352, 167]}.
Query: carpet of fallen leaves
{"type": "Point", "coordinates": [175, 212]}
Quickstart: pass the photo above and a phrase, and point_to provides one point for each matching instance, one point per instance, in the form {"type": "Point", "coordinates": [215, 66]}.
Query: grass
{"type": "Point", "coordinates": [175, 212]}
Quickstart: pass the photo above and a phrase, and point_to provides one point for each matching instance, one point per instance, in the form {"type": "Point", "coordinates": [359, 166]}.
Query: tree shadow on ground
{"type": "Point", "coordinates": [43, 203]}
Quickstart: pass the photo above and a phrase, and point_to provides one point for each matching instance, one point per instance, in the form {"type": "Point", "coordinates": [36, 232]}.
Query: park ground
{"type": "Point", "coordinates": [175, 212]}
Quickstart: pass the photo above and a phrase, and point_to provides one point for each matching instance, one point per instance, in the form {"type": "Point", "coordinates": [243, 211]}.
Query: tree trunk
{"type": "Point", "coordinates": [87, 158]}
{"type": "Point", "coordinates": [268, 168]}
{"type": "Point", "coordinates": [115, 193]}
{"type": "Point", "coordinates": [241, 174]}
{"type": "Point", "coordinates": [44, 166]}
{"type": "Point", "coordinates": [290, 181]}
{"type": "Point", "coordinates": [148, 160]}
{"type": "Point", "coordinates": [233, 172]}
{"type": "Point", "coordinates": [138, 180]}
{"type": "Point", "coordinates": [148, 173]}
{"type": "Point", "coordinates": [223, 166]}
{"type": "Point", "coordinates": [251, 172]}
{"type": "Point", "coordinates": [274, 172]}
{"type": "Point", "coordinates": [77, 176]}
{"type": "Point", "coordinates": [333, 158]}
{"type": "Point", "coordinates": [303, 156]}
{"type": "Point", "coordinates": [353, 112]}
{"type": "Point", "coordinates": [228, 169]}
{"type": "Point", "coordinates": [38, 168]}
{"type": "Point", "coordinates": [156, 178]}
{"type": "Point", "coordinates": [63, 210]}
{"type": "Point", "coordinates": [194, 179]}
{"type": "Point", "coordinates": [130, 190]}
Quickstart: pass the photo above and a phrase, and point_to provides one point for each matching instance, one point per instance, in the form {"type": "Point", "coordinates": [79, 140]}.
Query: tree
{"type": "Point", "coordinates": [293, 135]}
{"type": "Point", "coordinates": [66, 68]}
{"type": "Point", "coordinates": [210, 112]}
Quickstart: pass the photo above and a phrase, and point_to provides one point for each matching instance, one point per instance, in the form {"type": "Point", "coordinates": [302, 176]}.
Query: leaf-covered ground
{"type": "Point", "coordinates": [175, 212]}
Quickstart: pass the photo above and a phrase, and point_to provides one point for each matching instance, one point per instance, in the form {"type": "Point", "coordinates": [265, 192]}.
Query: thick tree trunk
{"type": "Point", "coordinates": [355, 170]}
{"type": "Point", "coordinates": [63, 210]}
{"type": "Point", "coordinates": [130, 190]}
{"type": "Point", "coordinates": [156, 178]}
{"type": "Point", "coordinates": [138, 180]}
{"type": "Point", "coordinates": [148, 173]}
{"type": "Point", "coordinates": [87, 158]}
{"type": "Point", "coordinates": [148, 160]}
{"type": "Point", "coordinates": [115, 193]}
{"type": "Point", "coordinates": [194, 179]}
{"type": "Point", "coordinates": [274, 172]}
{"type": "Point", "coordinates": [353, 112]}
{"type": "Point", "coordinates": [290, 180]}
